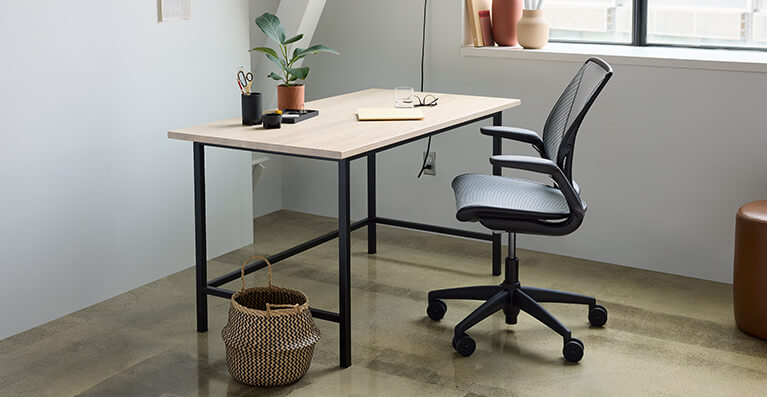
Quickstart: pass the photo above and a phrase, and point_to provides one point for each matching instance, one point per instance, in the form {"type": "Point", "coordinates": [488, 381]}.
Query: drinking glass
{"type": "Point", "coordinates": [403, 97]}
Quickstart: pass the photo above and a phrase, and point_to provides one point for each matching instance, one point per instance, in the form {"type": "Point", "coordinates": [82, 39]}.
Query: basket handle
{"type": "Point", "coordinates": [270, 306]}
{"type": "Point", "coordinates": [268, 270]}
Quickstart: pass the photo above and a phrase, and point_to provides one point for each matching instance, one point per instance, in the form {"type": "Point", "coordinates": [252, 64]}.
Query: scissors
{"type": "Point", "coordinates": [245, 80]}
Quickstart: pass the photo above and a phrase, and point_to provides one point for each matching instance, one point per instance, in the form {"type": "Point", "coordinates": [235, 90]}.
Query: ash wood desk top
{"type": "Point", "coordinates": [336, 133]}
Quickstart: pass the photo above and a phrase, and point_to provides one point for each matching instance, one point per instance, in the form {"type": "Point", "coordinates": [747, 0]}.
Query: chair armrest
{"type": "Point", "coordinates": [544, 166]}
{"type": "Point", "coordinates": [516, 134]}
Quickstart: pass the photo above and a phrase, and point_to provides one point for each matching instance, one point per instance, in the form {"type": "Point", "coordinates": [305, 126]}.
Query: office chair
{"type": "Point", "coordinates": [520, 206]}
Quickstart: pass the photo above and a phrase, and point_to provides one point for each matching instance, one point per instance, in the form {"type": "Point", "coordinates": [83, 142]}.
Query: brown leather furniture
{"type": "Point", "coordinates": [750, 274]}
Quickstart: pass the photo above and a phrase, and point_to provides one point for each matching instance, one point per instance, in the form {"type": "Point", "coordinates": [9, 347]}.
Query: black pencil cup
{"type": "Point", "coordinates": [251, 109]}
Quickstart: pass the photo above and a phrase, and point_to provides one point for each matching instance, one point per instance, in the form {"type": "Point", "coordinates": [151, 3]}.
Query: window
{"type": "Point", "coordinates": [722, 23]}
{"type": "Point", "coordinates": [694, 23]}
{"type": "Point", "coordinates": [606, 21]}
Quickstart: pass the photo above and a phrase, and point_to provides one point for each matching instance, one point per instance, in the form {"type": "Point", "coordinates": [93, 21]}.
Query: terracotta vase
{"type": "Point", "coordinates": [290, 97]}
{"type": "Point", "coordinates": [506, 14]}
{"type": "Point", "coordinates": [533, 29]}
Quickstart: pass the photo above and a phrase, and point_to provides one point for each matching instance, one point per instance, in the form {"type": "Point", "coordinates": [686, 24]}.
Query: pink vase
{"type": "Point", "coordinates": [506, 14]}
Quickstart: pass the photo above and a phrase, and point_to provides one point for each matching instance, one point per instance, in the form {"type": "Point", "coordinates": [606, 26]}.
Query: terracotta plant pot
{"type": "Point", "coordinates": [290, 97]}
{"type": "Point", "coordinates": [505, 15]}
{"type": "Point", "coordinates": [533, 29]}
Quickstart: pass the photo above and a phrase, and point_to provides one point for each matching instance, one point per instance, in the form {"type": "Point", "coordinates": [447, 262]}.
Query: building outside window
{"type": "Point", "coordinates": [697, 23]}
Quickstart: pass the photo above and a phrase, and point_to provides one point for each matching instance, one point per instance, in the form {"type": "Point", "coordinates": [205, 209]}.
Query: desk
{"type": "Point", "coordinates": [335, 135]}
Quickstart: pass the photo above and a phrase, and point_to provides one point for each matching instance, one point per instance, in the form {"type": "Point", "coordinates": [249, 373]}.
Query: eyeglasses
{"type": "Point", "coordinates": [428, 100]}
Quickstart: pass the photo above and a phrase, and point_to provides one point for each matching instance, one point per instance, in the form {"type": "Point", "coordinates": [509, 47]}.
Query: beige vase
{"type": "Point", "coordinates": [290, 97]}
{"type": "Point", "coordinates": [532, 29]}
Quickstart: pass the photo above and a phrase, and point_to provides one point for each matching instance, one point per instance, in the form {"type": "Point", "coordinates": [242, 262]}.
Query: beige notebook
{"type": "Point", "coordinates": [364, 114]}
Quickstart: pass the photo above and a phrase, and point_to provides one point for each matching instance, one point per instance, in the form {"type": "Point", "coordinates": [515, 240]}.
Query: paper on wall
{"type": "Point", "coordinates": [174, 10]}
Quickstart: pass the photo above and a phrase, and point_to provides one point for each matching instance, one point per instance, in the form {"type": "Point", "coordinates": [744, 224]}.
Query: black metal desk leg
{"type": "Point", "coordinates": [371, 203]}
{"type": "Point", "coordinates": [497, 149]}
{"type": "Point", "coordinates": [344, 265]}
{"type": "Point", "coordinates": [200, 239]}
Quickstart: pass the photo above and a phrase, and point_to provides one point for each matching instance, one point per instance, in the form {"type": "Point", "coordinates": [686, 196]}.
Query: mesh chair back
{"type": "Point", "coordinates": [566, 116]}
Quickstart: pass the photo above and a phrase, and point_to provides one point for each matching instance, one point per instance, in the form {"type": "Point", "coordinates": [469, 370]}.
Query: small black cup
{"type": "Point", "coordinates": [272, 120]}
{"type": "Point", "coordinates": [251, 109]}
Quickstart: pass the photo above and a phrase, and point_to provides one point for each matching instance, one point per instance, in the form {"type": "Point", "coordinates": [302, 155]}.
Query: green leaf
{"type": "Point", "coordinates": [293, 39]}
{"type": "Point", "coordinates": [313, 50]}
{"type": "Point", "coordinates": [275, 76]}
{"type": "Point", "coordinates": [300, 73]}
{"type": "Point", "coordinates": [271, 26]}
{"type": "Point", "coordinates": [266, 50]}
{"type": "Point", "coordinates": [278, 62]}
{"type": "Point", "coordinates": [296, 51]}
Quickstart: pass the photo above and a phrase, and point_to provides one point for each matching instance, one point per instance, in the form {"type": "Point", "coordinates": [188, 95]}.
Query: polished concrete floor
{"type": "Point", "coordinates": [667, 335]}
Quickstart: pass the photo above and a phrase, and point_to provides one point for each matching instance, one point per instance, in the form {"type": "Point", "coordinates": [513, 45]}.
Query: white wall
{"type": "Point", "coordinates": [665, 157]}
{"type": "Point", "coordinates": [267, 194]}
{"type": "Point", "coordinates": [96, 200]}
{"type": "Point", "coordinates": [296, 16]}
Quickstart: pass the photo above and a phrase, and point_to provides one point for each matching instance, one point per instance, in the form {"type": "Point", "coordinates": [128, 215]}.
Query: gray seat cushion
{"type": "Point", "coordinates": [490, 196]}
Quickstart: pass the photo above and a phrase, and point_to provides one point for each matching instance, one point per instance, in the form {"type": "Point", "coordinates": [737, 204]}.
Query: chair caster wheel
{"type": "Point", "coordinates": [436, 309]}
{"type": "Point", "coordinates": [597, 315]}
{"type": "Point", "coordinates": [573, 350]}
{"type": "Point", "coordinates": [464, 345]}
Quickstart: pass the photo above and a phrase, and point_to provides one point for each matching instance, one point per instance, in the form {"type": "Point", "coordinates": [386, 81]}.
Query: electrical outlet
{"type": "Point", "coordinates": [431, 163]}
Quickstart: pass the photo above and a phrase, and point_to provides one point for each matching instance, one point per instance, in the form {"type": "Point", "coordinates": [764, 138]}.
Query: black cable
{"type": "Point", "coordinates": [423, 165]}
{"type": "Point", "coordinates": [423, 53]}
{"type": "Point", "coordinates": [423, 40]}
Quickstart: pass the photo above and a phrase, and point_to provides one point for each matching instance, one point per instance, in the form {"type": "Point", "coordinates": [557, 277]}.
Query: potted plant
{"type": "Point", "coordinates": [290, 94]}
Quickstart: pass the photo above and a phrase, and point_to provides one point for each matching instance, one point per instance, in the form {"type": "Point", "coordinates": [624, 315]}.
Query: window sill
{"type": "Point", "coordinates": [670, 57]}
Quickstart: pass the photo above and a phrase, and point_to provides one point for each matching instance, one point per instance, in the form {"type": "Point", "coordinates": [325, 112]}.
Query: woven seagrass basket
{"type": "Point", "coordinates": [270, 335]}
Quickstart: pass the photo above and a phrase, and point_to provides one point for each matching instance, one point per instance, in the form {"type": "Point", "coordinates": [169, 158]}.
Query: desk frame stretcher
{"type": "Point", "coordinates": [212, 287]}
